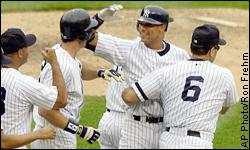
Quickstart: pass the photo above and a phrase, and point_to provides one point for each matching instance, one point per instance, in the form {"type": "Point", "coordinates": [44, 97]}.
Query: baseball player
{"type": "Point", "coordinates": [14, 141]}
{"type": "Point", "coordinates": [21, 92]}
{"type": "Point", "coordinates": [75, 28]}
{"type": "Point", "coordinates": [110, 124]}
{"type": "Point", "coordinates": [144, 122]}
{"type": "Point", "coordinates": [193, 93]}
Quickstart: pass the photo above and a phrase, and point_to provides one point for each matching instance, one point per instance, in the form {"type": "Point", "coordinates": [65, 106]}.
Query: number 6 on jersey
{"type": "Point", "coordinates": [194, 88]}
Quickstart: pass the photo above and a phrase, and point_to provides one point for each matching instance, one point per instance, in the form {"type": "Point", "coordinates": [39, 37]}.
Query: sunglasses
{"type": "Point", "coordinates": [144, 24]}
{"type": "Point", "coordinates": [217, 47]}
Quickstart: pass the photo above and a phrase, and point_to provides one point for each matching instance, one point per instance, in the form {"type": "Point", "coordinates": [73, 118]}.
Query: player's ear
{"type": "Point", "coordinates": [20, 53]}
{"type": "Point", "coordinates": [162, 27]}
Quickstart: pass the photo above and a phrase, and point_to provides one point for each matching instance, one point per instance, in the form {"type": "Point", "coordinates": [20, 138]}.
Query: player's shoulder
{"type": "Point", "coordinates": [177, 49]}
{"type": "Point", "coordinates": [21, 79]}
{"type": "Point", "coordinates": [10, 73]}
{"type": "Point", "coordinates": [172, 46]}
{"type": "Point", "coordinates": [222, 70]}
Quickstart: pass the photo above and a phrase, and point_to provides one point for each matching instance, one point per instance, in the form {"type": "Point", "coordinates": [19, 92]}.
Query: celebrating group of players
{"type": "Point", "coordinates": [168, 99]}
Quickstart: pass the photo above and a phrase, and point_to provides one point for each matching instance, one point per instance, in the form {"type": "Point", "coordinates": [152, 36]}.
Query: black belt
{"type": "Point", "coordinates": [189, 132]}
{"type": "Point", "coordinates": [149, 119]}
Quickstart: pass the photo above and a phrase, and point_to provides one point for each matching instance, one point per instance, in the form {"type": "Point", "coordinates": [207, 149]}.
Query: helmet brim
{"type": "Point", "coordinates": [92, 24]}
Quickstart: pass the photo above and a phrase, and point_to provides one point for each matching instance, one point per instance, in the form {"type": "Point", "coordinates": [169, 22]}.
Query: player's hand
{"type": "Point", "coordinates": [49, 55]}
{"type": "Point", "coordinates": [88, 133]}
{"type": "Point", "coordinates": [46, 133]}
{"type": "Point", "coordinates": [111, 74]}
{"type": "Point", "coordinates": [108, 14]}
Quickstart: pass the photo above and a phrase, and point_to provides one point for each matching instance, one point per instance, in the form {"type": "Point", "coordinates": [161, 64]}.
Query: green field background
{"type": "Point", "coordinates": [228, 133]}
{"type": "Point", "coordinates": [7, 6]}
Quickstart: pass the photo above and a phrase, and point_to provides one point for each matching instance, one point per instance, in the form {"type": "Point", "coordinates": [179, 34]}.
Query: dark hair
{"type": "Point", "coordinates": [199, 50]}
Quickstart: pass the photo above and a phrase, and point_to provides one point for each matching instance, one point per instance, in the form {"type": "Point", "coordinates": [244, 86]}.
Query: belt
{"type": "Point", "coordinates": [149, 119]}
{"type": "Point", "coordinates": [189, 132]}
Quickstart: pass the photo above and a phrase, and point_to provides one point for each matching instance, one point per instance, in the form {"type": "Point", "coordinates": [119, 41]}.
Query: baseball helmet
{"type": "Point", "coordinates": [154, 15]}
{"type": "Point", "coordinates": [76, 24]}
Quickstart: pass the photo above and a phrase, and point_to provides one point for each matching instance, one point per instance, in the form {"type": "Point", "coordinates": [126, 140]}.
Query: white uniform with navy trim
{"type": "Point", "coordinates": [193, 93]}
{"type": "Point", "coordinates": [22, 93]}
{"type": "Point", "coordinates": [136, 60]}
{"type": "Point", "coordinates": [71, 70]}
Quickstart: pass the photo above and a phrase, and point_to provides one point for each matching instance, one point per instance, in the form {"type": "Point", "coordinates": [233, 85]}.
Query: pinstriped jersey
{"type": "Point", "coordinates": [22, 92]}
{"type": "Point", "coordinates": [113, 95]}
{"type": "Point", "coordinates": [193, 93]}
{"type": "Point", "coordinates": [71, 70]}
{"type": "Point", "coordinates": [136, 60]}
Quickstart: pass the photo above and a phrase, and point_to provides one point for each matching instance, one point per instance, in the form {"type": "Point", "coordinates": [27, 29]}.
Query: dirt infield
{"type": "Point", "coordinates": [233, 24]}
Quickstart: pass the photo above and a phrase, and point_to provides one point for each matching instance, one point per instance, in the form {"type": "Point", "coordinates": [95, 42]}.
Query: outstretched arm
{"type": "Point", "coordinates": [106, 14]}
{"type": "Point", "coordinates": [90, 72]}
{"type": "Point", "coordinates": [14, 141]}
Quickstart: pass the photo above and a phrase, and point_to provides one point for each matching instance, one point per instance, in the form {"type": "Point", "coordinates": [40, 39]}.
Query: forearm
{"type": "Point", "coordinates": [89, 71]}
{"type": "Point", "coordinates": [58, 81]}
{"type": "Point", "coordinates": [55, 117]}
{"type": "Point", "coordinates": [93, 41]}
{"type": "Point", "coordinates": [14, 141]}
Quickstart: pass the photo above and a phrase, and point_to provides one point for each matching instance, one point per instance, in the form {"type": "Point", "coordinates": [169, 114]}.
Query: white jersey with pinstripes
{"type": "Point", "coordinates": [22, 93]}
{"type": "Point", "coordinates": [193, 93]}
{"type": "Point", "coordinates": [113, 96]}
{"type": "Point", "coordinates": [71, 70]}
{"type": "Point", "coordinates": [137, 60]}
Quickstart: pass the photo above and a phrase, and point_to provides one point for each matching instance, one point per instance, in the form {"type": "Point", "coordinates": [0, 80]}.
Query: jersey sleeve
{"type": "Point", "coordinates": [113, 49]}
{"type": "Point", "coordinates": [38, 94]}
{"type": "Point", "coordinates": [149, 87]}
{"type": "Point", "coordinates": [232, 96]}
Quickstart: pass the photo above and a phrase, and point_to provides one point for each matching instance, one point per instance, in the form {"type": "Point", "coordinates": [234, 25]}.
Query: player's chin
{"type": "Point", "coordinates": [144, 38]}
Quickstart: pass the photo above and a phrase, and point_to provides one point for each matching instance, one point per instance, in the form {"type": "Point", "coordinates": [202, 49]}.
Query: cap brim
{"type": "Point", "coordinates": [30, 39]}
{"type": "Point", "coordinates": [6, 60]}
{"type": "Point", "coordinates": [222, 42]}
{"type": "Point", "coordinates": [92, 24]}
{"type": "Point", "coordinates": [152, 21]}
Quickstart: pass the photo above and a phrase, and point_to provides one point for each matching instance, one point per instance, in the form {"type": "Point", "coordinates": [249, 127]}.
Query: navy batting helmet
{"type": "Point", "coordinates": [76, 24]}
{"type": "Point", "coordinates": [154, 15]}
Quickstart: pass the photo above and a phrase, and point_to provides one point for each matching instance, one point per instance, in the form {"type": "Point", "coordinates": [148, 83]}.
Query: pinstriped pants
{"type": "Point", "coordinates": [140, 134]}
{"type": "Point", "coordinates": [110, 127]}
{"type": "Point", "coordinates": [170, 140]}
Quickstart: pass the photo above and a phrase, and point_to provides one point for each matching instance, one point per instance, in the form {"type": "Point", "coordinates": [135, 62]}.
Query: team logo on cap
{"type": "Point", "coordinates": [146, 13]}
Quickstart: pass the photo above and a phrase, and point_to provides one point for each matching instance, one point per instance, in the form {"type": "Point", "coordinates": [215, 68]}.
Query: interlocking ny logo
{"type": "Point", "coordinates": [146, 13]}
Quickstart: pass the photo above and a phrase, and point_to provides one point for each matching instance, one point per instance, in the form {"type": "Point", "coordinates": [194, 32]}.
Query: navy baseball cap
{"type": "Point", "coordinates": [4, 59]}
{"type": "Point", "coordinates": [207, 35]}
{"type": "Point", "coordinates": [14, 39]}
